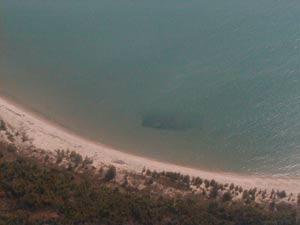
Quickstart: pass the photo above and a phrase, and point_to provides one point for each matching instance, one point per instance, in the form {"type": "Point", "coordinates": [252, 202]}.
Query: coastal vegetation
{"type": "Point", "coordinates": [64, 188]}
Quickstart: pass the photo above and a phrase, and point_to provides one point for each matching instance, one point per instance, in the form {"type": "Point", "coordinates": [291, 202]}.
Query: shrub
{"type": "Point", "coordinates": [2, 125]}
{"type": "Point", "coordinates": [213, 206]}
{"type": "Point", "coordinates": [172, 175]}
{"type": "Point", "coordinates": [60, 155]}
{"type": "Point", "coordinates": [252, 191]}
{"type": "Point", "coordinates": [25, 137]}
{"type": "Point", "coordinates": [11, 148]}
{"type": "Point", "coordinates": [214, 191]}
{"type": "Point", "coordinates": [206, 182]}
{"type": "Point", "coordinates": [236, 188]}
{"type": "Point", "coordinates": [264, 194]}
{"type": "Point", "coordinates": [31, 187]}
{"type": "Point", "coordinates": [148, 172]}
{"type": "Point", "coordinates": [75, 158]}
{"type": "Point", "coordinates": [240, 189]}
{"type": "Point", "coordinates": [245, 194]}
{"type": "Point", "coordinates": [212, 182]}
{"type": "Point", "coordinates": [226, 197]}
{"type": "Point", "coordinates": [281, 194]}
{"type": "Point", "coordinates": [186, 180]}
{"type": "Point", "coordinates": [197, 181]}
{"type": "Point", "coordinates": [87, 161]}
{"type": "Point", "coordinates": [110, 174]}
{"type": "Point", "coordinates": [10, 137]}
{"type": "Point", "coordinates": [272, 206]}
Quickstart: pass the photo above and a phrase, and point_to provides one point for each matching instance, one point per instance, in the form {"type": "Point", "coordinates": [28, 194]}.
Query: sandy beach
{"type": "Point", "coordinates": [50, 136]}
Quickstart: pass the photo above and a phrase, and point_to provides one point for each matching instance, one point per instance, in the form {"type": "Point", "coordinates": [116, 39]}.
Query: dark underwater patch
{"type": "Point", "coordinates": [165, 122]}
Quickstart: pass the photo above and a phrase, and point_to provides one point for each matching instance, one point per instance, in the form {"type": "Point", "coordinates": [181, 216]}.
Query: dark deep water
{"type": "Point", "coordinates": [208, 83]}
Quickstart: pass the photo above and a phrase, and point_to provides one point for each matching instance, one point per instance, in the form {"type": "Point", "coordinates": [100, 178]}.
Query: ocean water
{"type": "Point", "coordinates": [205, 83]}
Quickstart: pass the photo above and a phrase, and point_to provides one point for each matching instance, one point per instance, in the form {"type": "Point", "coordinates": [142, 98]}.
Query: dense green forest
{"type": "Point", "coordinates": [35, 191]}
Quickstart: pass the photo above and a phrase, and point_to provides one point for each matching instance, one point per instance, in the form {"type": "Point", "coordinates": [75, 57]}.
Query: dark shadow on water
{"type": "Point", "coordinates": [166, 122]}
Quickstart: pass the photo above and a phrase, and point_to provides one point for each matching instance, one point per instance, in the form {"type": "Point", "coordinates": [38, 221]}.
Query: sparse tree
{"type": "Point", "coordinates": [240, 189]}
{"type": "Point", "coordinates": [2, 125]}
{"type": "Point", "coordinates": [11, 148]}
{"type": "Point", "coordinates": [206, 182]}
{"type": "Point", "coordinates": [110, 174]}
{"type": "Point", "coordinates": [214, 191]}
{"type": "Point", "coordinates": [281, 194]}
{"type": "Point", "coordinates": [75, 158]}
{"type": "Point", "coordinates": [212, 182]}
{"type": "Point", "coordinates": [87, 160]}
{"type": "Point", "coordinates": [186, 180]}
{"type": "Point", "coordinates": [226, 197]}
{"type": "Point", "coordinates": [197, 181]}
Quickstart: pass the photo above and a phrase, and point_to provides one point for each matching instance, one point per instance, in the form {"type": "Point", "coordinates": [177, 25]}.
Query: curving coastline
{"type": "Point", "coordinates": [50, 136]}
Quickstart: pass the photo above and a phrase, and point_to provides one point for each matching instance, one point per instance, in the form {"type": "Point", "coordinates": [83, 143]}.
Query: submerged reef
{"type": "Point", "coordinates": [165, 122]}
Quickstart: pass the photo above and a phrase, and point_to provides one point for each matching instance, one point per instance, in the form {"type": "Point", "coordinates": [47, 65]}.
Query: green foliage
{"type": "Point", "coordinates": [214, 191]}
{"type": "Point", "coordinates": [10, 137]}
{"type": "Point", "coordinates": [252, 193]}
{"type": "Point", "coordinates": [236, 188]}
{"type": "Point", "coordinates": [206, 182]}
{"type": "Point", "coordinates": [197, 181]}
{"type": "Point", "coordinates": [272, 206]}
{"type": "Point", "coordinates": [70, 198]}
{"type": "Point", "coordinates": [87, 161]}
{"type": "Point", "coordinates": [226, 197]}
{"type": "Point", "coordinates": [2, 125]}
{"type": "Point", "coordinates": [11, 148]}
{"type": "Point", "coordinates": [172, 175]}
{"type": "Point", "coordinates": [75, 158]}
{"type": "Point", "coordinates": [33, 187]}
{"type": "Point", "coordinates": [186, 180]}
{"type": "Point", "coordinates": [240, 189]}
{"type": "Point", "coordinates": [60, 155]}
{"type": "Point", "coordinates": [231, 186]}
{"type": "Point", "coordinates": [212, 182]}
{"type": "Point", "coordinates": [281, 194]}
{"type": "Point", "coordinates": [25, 137]}
{"type": "Point", "coordinates": [110, 174]}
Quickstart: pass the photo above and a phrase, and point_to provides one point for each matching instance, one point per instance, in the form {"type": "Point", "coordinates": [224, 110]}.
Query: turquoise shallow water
{"type": "Point", "coordinates": [224, 74]}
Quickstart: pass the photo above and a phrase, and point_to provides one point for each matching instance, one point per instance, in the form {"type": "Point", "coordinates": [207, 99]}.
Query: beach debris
{"type": "Point", "coordinates": [119, 162]}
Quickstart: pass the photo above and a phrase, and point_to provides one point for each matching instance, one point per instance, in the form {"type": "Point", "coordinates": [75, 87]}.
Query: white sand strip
{"type": "Point", "coordinates": [49, 136]}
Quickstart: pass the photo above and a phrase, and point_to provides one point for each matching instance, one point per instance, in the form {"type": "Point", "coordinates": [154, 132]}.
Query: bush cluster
{"type": "Point", "coordinates": [30, 187]}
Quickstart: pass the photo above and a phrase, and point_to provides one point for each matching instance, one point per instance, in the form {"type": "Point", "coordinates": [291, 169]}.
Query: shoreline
{"type": "Point", "coordinates": [50, 136]}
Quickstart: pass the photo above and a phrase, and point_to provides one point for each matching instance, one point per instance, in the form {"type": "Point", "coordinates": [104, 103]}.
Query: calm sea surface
{"type": "Point", "coordinates": [206, 83]}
